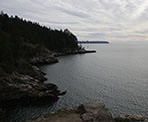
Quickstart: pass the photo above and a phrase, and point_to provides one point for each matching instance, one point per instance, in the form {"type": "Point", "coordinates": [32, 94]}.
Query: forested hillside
{"type": "Point", "coordinates": [20, 40]}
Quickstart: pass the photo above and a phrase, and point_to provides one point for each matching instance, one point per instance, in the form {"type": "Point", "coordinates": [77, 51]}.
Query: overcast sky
{"type": "Point", "coordinates": [112, 20]}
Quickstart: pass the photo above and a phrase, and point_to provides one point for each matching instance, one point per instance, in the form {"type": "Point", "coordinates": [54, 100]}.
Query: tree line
{"type": "Point", "coordinates": [21, 39]}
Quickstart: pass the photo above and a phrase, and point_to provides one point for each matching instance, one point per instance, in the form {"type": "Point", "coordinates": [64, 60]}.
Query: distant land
{"type": "Point", "coordinates": [93, 42]}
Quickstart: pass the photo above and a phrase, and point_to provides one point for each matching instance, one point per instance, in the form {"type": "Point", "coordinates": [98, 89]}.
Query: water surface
{"type": "Point", "coordinates": [116, 75]}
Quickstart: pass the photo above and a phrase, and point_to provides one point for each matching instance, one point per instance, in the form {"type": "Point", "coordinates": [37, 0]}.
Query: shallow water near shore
{"type": "Point", "coordinates": [117, 75]}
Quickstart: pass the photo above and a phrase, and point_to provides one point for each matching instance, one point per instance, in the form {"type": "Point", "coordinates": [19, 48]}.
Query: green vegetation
{"type": "Point", "coordinates": [20, 40]}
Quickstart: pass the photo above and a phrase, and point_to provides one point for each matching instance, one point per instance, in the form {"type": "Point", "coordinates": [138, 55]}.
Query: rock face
{"type": "Point", "coordinates": [25, 88]}
{"type": "Point", "coordinates": [92, 112]}
{"type": "Point", "coordinates": [43, 58]}
{"type": "Point", "coordinates": [95, 112]}
{"type": "Point", "coordinates": [38, 74]}
{"type": "Point", "coordinates": [28, 84]}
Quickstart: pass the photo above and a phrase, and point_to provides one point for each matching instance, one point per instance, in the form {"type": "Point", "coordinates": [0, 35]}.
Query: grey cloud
{"type": "Point", "coordinates": [73, 12]}
{"type": "Point", "coordinates": [65, 23]}
{"type": "Point", "coordinates": [142, 32]}
{"type": "Point", "coordinates": [127, 36]}
{"type": "Point", "coordinates": [97, 35]}
{"type": "Point", "coordinates": [94, 20]}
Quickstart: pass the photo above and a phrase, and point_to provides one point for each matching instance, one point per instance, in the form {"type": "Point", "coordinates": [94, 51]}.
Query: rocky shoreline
{"type": "Point", "coordinates": [32, 89]}
{"type": "Point", "coordinates": [30, 86]}
{"type": "Point", "coordinates": [27, 87]}
{"type": "Point", "coordinates": [70, 52]}
{"type": "Point", "coordinates": [89, 112]}
{"type": "Point", "coordinates": [19, 87]}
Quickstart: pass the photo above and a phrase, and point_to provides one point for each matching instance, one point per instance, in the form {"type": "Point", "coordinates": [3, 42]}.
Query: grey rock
{"type": "Point", "coordinates": [95, 112]}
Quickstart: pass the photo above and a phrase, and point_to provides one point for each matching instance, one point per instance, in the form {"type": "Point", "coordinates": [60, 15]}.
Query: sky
{"type": "Point", "coordinates": [112, 20]}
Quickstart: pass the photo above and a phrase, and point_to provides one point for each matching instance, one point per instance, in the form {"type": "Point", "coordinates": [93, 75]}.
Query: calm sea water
{"type": "Point", "coordinates": [116, 75]}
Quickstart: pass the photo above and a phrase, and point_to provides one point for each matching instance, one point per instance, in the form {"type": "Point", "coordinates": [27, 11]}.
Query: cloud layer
{"type": "Point", "coordinates": [113, 20]}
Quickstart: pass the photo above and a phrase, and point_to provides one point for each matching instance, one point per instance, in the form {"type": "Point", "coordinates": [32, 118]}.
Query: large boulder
{"type": "Point", "coordinates": [95, 112]}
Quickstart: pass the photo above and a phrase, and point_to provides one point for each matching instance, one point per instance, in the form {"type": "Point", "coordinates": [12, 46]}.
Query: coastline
{"type": "Point", "coordinates": [50, 93]}
{"type": "Point", "coordinates": [71, 52]}
{"type": "Point", "coordinates": [29, 88]}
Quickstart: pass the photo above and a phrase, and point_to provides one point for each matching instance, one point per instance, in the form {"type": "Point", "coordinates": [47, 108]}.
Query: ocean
{"type": "Point", "coordinates": [117, 75]}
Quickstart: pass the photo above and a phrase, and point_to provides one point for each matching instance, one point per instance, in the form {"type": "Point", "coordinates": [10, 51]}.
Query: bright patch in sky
{"type": "Point", "coordinates": [113, 20]}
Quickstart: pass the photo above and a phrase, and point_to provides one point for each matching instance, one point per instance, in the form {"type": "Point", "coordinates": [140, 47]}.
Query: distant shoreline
{"type": "Point", "coordinates": [93, 42]}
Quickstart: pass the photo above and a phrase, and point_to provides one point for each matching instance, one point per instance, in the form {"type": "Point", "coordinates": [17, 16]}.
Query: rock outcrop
{"type": "Point", "coordinates": [44, 57]}
{"type": "Point", "coordinates": [26, 88]}
{"type": "Point", "coordinates": [27, 82]}
{"type": "Point", "coordinates": [95, 112]}
{"type": "Point", "coordinates": [92, 112]}
{"type": "Point", "coordinates": [41, 60]}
